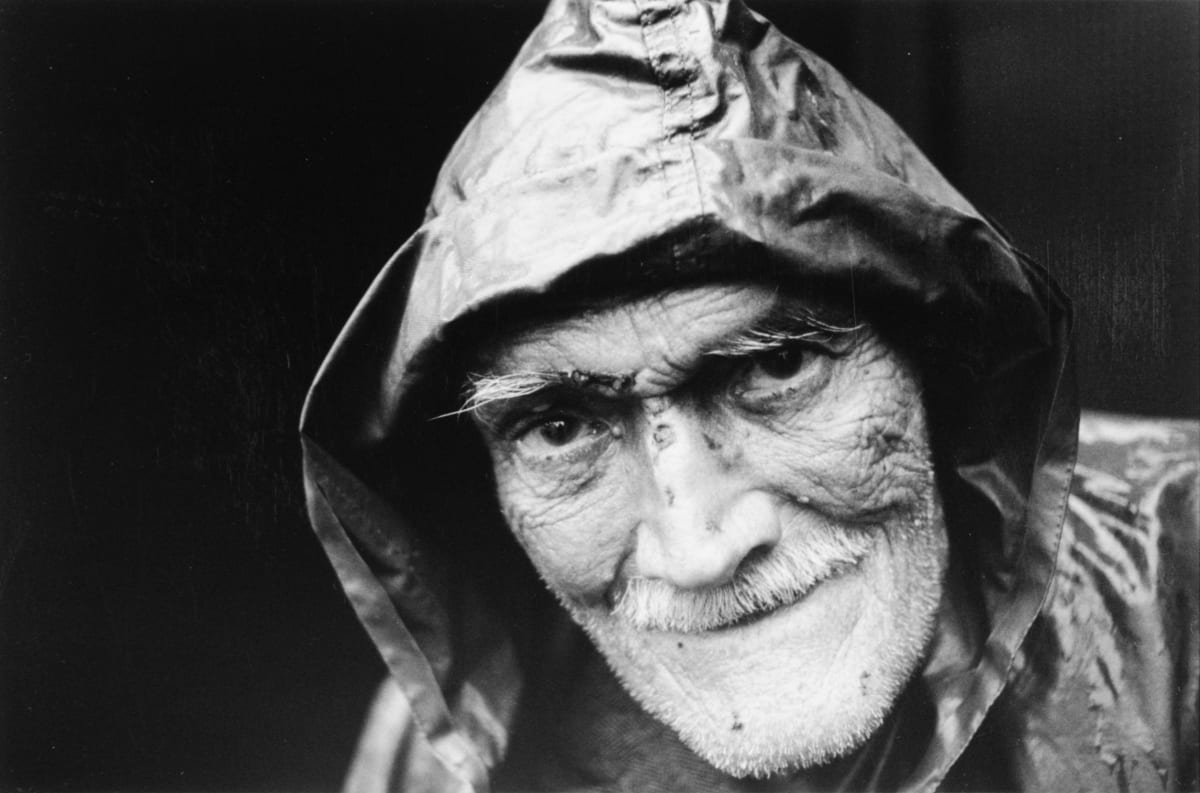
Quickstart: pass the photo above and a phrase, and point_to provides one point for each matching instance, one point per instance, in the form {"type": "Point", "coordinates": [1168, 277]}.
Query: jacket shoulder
{"type": "Point", "coordinates": [1105, 689]}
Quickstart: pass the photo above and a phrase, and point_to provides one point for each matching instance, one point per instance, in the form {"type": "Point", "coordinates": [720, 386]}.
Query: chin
{"type": "Point", "coordinates": [781, 744]}
{"type": "Point", "coordinates": [800, 686]}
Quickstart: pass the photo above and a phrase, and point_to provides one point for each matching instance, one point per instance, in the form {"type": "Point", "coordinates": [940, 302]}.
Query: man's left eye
{"type": "Point", "coordinates": [776, 374]}
{"type": "Point", "coordinates": [780, 364]}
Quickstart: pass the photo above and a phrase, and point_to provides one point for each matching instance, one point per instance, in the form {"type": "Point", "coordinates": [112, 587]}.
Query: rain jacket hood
{"type": "Point", "coordinates": [660, 142]}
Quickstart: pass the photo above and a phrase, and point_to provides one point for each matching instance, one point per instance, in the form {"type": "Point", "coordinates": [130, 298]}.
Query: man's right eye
{"type": "Point", "coordinates": [560, 434]}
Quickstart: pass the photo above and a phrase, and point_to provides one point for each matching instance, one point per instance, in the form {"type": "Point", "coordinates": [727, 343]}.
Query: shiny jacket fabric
{"type": "Point", "coordinates": [658, 142]}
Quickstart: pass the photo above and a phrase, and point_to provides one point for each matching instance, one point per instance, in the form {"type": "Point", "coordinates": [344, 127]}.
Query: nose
{"type": "Point", "coordinates": [704, 519]}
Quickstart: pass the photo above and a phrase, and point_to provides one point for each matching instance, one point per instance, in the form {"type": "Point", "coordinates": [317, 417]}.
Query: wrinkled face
{"type": "Point", "coordinates": [734, 497]}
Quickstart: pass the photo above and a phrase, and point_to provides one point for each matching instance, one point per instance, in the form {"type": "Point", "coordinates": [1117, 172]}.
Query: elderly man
{"type": "Point", "coordinates": [694, 335]}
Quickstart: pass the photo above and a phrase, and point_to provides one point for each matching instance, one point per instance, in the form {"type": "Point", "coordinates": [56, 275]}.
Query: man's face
{"type": "Point", "coordinates": [735, 499]}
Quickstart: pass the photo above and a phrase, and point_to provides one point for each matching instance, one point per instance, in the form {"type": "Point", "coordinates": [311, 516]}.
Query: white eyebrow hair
{"type": "Point", "coordinates": [779, 332]}
{"type": "Point", "coordinates": [788, 326]}
{"type": "Point", "coordinates": [770, 333]}
{"type": "Point", "coordinates": [485, 389]}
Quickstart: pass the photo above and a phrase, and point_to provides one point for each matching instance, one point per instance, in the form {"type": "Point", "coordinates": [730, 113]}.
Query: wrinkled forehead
{"type": "Point", "coordinates": [668, 328]}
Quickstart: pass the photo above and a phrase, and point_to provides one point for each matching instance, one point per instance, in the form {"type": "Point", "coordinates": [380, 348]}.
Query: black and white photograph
{"type": "Point", "coordinates": [599, 395]}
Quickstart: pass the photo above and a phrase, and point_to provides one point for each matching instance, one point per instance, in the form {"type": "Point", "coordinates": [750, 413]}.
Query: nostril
{"type": "Point", "coordinates": [752, 559]}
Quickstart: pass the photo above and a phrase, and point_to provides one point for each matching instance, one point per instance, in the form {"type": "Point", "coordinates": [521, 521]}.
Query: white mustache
{"type": "Point", "coordinates": [780, 578]}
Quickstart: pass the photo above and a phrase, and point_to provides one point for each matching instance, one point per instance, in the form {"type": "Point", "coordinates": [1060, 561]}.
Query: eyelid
{"type": "Point", "coordinates": [498, 416]}
{"type": "Point", "coordinates": [516, 419]}
{"type": "Point", "coordinates": [811, 376]}
{"type": "Point", "coordinates": [592, 440]}
{"type": "Point", "coordinates": [522, 415]}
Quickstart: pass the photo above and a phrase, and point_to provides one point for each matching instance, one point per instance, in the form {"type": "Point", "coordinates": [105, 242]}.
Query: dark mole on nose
{"type": "Point", "coordinates": [710, 443]}
{"type": "Point", "coordinates": [663, 436]}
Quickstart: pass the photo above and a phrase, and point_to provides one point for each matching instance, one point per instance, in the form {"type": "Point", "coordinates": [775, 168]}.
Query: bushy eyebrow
{"type": "Point", "coordinates": [790, 325]}
{"type": "Point", "coordinates": [483, 390]}
{"type": "Point", "coordinates": [780, 330]}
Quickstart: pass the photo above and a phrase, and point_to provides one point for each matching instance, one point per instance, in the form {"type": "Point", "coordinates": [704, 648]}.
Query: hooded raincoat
{"type": "Point", "coordinates": [659, 142]}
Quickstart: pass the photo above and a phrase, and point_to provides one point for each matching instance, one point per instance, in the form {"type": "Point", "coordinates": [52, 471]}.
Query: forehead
{"type": "Point", "coordinates": [648, 337]}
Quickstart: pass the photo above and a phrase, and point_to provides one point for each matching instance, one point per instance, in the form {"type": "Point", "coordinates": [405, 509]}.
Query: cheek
{"type": "Point", "coordinates": [576, 534]}
{"type": "Point", "coordinates": [860, 450]}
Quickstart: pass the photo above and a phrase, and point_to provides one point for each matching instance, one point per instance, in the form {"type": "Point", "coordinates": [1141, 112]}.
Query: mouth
{"type": "Point", "coordinates": [652, 605]}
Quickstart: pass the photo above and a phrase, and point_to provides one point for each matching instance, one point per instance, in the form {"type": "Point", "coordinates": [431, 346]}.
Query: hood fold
{"type": "Point", "coordinates": [639, 144]}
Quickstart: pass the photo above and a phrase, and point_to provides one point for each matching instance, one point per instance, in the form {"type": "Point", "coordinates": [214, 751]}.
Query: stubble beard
{"type": "Point", "coordinates": [828, 719]}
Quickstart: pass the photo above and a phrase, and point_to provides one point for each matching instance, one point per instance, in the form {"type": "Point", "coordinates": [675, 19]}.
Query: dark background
{"type": "Point", "coordinates": [192, 198]}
